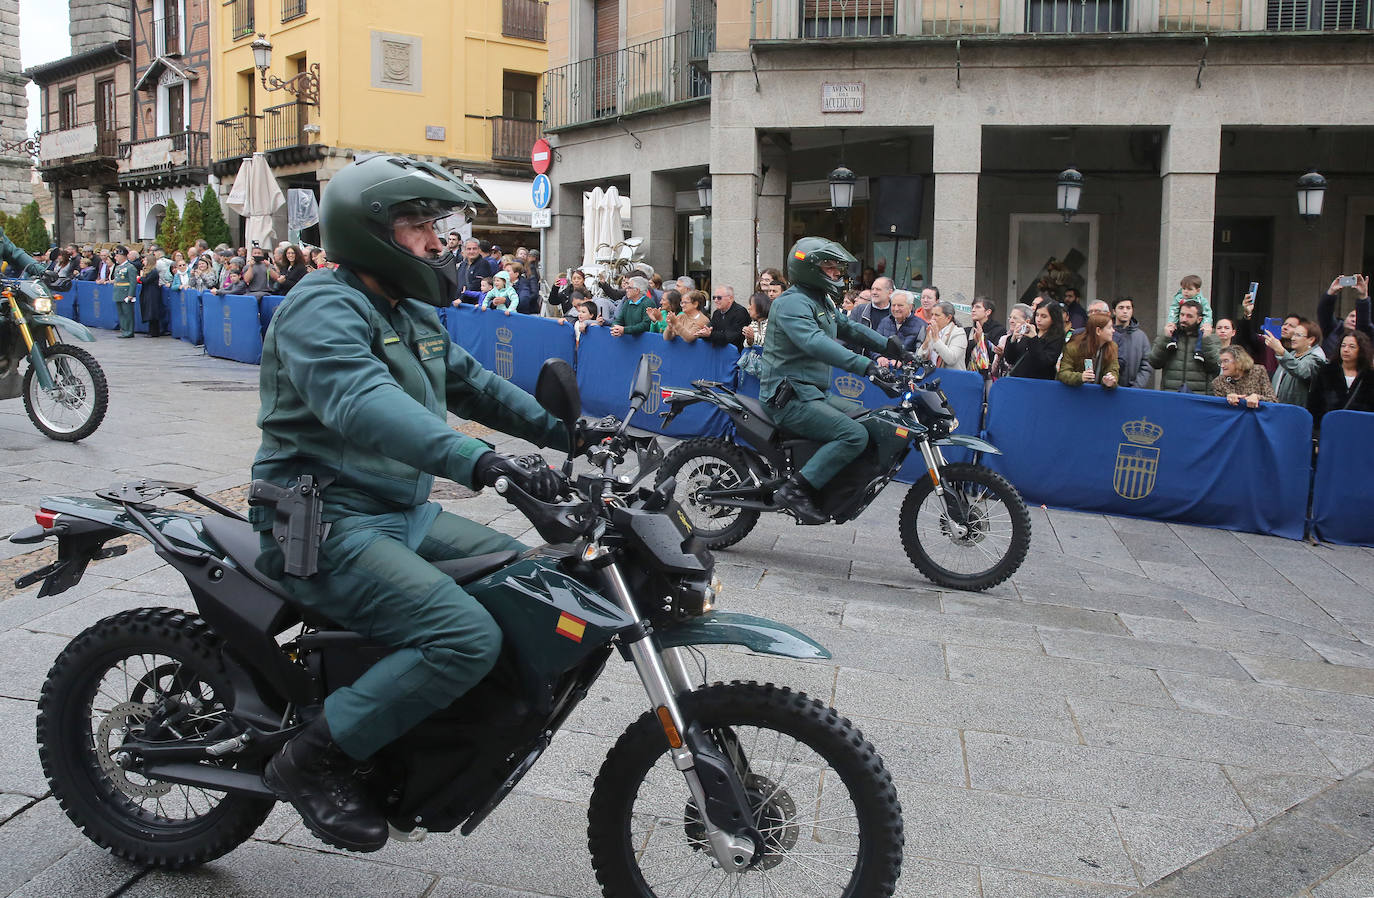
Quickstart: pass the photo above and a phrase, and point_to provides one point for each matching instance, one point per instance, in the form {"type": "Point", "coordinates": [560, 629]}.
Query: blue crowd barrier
{"type": "Point", "coordinates": [1148, 454]}
{"type": "Point", "coordinates": [606, 367]}
{"type": "Point", "coordinates": [1342, 493]}
{"type": "Point", "coordinates": [64, 304]}
{"type": "Point", "coordinates": [514, 346]}
{"type": "Point", "coordinates": [186, 323]}
{"type": "Point", "coordinates": [267, 307]}
{"type": "Point", "coordinates": [231, 327]}
{"type": "Point", "coordinates": [95, 305]}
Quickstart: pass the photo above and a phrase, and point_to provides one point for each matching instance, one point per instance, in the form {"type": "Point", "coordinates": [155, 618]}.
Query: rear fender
{"type": "Point", "coordinates": [757, 634]}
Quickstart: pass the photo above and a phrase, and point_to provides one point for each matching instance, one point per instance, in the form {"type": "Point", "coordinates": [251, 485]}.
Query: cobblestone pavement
{"type": "Point", "coordinates": [1144, 709]}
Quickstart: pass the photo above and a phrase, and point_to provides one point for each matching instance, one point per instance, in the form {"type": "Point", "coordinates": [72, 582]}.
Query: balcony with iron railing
{"type": "Point", "coordinates": [236, 137]}
{"type": "Point", "coordinates": [654, 75]}
{"type": "Point", "coordinates": [80, 145]}
{"type": "Point", "coordinates": [242, 23]}
{"type": "Point", "coordinates": [292, 9]}
{"type": "Point", "coordinates": [284, 126]}
{"type": "Point", "coordinates": [165, 157]}
{"type": "Point", "coordinates": [512, 138]}
{"type": "Point", "coordinates": [524, 19]}
{"type": "Point", "coordinates": [774, 20]}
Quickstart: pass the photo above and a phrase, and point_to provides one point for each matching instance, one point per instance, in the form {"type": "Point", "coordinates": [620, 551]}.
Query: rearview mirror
{"type": "Point", "coordinates": [556, 390]}
{"type": "Point", "coordinates": [643, 383]}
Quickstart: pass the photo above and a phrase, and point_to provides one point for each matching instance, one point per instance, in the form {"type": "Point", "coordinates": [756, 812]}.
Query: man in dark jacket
{"type": "Point", "coordinates": [1190, 367]}
{"type": "Point", "coordinates": [1357, 319]}
{"type": "Point", "coordinates": [1132, 346]}
{"type": "Point", "coordinates": [728, 319]}
{"type": "Point", "coordinates": [901, 324]}
{"type": "Point", "coordinates": [471, 270]}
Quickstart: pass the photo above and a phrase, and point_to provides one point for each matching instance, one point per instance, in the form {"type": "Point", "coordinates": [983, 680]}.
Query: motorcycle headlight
{"type": "Point", "coordinates": [43, 305]}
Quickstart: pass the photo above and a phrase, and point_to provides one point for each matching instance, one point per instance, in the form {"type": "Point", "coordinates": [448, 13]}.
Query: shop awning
{"type": "Point", "coordinates": [513, 200]}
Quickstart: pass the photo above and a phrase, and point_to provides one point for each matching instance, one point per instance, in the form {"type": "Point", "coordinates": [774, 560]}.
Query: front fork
{"type": "Point", "coordinates": [40, 370]}
{"type": "Point", "coordinates": [662, 681]}
{"type": "Point", "coordinates": [954, 505]}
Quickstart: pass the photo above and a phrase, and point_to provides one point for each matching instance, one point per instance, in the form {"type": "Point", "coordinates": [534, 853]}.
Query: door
{"type": "Point", "coordinates": [1044, 253]}
{"type": "Point", "coordinates": [607, 22]}
{"type": "Point", "coordinates": [1242, 249]}
{"type": "Point", "coordinates": [176, 108]}
{"type": "Point", "coordinates": [106, 143]}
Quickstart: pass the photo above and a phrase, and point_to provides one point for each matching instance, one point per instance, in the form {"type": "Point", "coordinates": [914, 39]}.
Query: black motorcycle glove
{"type": "Point", "coordinates": [895, 350]}
{"type": "Point", "coordinates": [56, 281]}
{"type": "Point", "coordinates": [529, 472]}
{"type": "Point", "coordinates": [884, 378]}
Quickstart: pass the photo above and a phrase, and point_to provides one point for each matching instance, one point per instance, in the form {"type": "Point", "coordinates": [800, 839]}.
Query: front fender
{"type": "Point", "coordinates": [79, 331]}
{"type": "Point", "coordinates": [974, 443]}
{"type": "Point", "coordinates": [757, 634]}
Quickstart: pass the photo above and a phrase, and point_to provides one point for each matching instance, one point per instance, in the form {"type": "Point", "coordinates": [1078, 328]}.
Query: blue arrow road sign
{"type": "Point", "coordinates": [541, 191]}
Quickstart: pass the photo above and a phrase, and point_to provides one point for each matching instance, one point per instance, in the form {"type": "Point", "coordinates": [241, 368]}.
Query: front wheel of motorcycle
{"type": "Point", "coordinates": [76, 404]}
{"type": "Point", "coordinates": [154, 674]}
{"type": "Point", "coordinates": [972, 538]}
{"type": "Point", "coordinates": [822, 799]}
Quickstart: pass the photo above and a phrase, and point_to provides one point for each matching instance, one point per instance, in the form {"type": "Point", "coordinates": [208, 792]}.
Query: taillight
{"type": "Point", "coordinates": [46, 519]}
{"type": "Point", "coordinates": [667, 394]}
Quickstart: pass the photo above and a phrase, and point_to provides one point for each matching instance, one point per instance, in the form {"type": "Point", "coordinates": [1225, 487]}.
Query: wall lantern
{"type": "Point", "coordinates": [1311, 192]}
{"type": "Point", "coordinates": [1069, 191]}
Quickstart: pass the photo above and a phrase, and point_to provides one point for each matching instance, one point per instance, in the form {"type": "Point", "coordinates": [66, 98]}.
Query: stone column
{"type": "Point", "coordinates": [98, 22]}
{"type": "Point", "coordinates": [564, 240]}
{"type": "Point", "coordinates": [734, 186]}
{"type": "Point", "coordinates": [1187, 208]}
{"type": "Point", "coordinates": [653, 218]}
{"type": "Point", "coordinates": [98, 218]}
{"type": "Point", "coordinates": [15, 191]}
{"type": "Point", "coordinates": [958, 158]}
{"type": "Point", "coordinates": [772, 212]}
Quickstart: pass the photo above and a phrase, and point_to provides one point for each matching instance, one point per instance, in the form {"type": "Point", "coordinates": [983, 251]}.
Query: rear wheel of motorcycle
{"type": "Point", "coordinates": [114, 678]}
{"type": "Point", "coordinates": [76, 405]}
{"type": "Point", "coordinates": [823, 801]}
{"type": "Point", "coordinates": [697, 465]}
{"type": "Point", "coordinates": [982, 551]}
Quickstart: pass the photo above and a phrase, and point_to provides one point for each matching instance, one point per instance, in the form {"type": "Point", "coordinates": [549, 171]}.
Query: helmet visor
{"type": "Point", "coordinates": [417, 213]}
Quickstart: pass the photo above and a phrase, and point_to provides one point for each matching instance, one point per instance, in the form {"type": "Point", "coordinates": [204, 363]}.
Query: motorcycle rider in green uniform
{"type": "Point", "coordinates": [21, 264]}
{"type": "Point", "coordinates": [802, 345]}
{"type": "Point", "coordinates": [12, 348]}
{"type": "Point", "coordinates": [357, 376]}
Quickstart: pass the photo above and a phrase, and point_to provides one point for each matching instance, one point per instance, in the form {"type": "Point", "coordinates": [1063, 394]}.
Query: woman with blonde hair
{"type": "Point", "coordinates": [1090, 357]}
{"type": "Point", "coordinates": [1241, 380]}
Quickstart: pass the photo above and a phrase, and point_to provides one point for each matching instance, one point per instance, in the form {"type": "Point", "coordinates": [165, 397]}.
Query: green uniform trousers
{"type": "Point", "coordinates": [824, 419]}
{"type": "Point", "coordinates": [375, 579]}
{"type": "Point", "coordinates": [126, 318]}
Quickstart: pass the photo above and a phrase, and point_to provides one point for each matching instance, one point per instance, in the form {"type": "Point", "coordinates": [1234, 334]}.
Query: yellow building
{"type": "Point", "coordinates": [456, 83]}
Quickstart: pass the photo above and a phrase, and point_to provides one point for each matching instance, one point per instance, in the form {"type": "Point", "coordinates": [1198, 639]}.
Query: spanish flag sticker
{"type": "Point", "coordinates": [902, 432]}
{"type": "Point", "coordinates": [799, 255]}
{"type": "Point", "coordinates": [571, 627]}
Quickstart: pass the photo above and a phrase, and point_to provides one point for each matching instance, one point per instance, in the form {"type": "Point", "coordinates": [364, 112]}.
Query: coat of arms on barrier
{"type": "Point", "coordinates": [849, 386]}
{"type": "Point", "coordinates": [1137, 461]}
{"type": "Point", "coordinates": [655, 399]}
{"type": "Point", "coordinates": [505, 353]}
{"type": "Point", "coordinates": [228, 326]}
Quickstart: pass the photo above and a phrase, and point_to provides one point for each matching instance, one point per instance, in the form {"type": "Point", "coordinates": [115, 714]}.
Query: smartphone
{"type": "Point", "coordinates": [1347, 280]}
{"type": "Point", "coordinates": [1254, 290]}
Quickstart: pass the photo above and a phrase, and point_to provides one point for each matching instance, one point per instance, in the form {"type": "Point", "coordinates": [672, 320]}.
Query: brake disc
{"type": "Point", "coordinates": [117, 724]}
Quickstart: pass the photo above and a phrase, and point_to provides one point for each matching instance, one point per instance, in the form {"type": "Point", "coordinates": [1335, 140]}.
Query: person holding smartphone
{"type": "Point", "coordinates": [1356, 320]}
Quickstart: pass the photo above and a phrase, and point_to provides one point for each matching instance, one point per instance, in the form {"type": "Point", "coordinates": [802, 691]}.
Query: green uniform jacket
{"type": "Point", "coordinates": [1293, 376]}
{"type": "Point", "coordinates": [25, 264]}
{"type": "Point", "coordinates": [1179, 366]}
{"type": "Point", "coordinates": [801, 344]}
{"type": "Point", "coordinates": [634, 316]}
{"type": "Point", "coordinates": [357, 390]}
{"type": "Point", "coordinates": [125, 280]}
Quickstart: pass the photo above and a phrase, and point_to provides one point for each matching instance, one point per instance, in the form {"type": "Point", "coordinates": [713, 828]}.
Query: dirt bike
{"type": "Point", "coordinates": [154, 725]}
{"type": "Point", "coordinates": [64, 389]}
{"type": "Point", "coordinates": [962, 525]}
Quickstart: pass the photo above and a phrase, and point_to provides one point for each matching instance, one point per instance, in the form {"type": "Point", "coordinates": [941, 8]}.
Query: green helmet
{"type": "Point", "coordinates": [804, 264]}
{"type": "Point", "coordinates": [363, 203]}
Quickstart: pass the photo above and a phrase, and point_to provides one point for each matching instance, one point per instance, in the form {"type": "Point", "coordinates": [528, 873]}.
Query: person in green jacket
{"type": "Point", "coordinates": [1298, 363]}
{"type": "Point", "coordinates": [357, 378]}
{"type": "Point", "coordinates": [125, 291]}
{"type": "Point", "coordinates": [20, 263]}
{"type": "Point", "coordinates": [633, 317]}
{"type": "Point", "coordinates": [1193, 361]}
{"type": "Point", "coordinates": [799, 349]}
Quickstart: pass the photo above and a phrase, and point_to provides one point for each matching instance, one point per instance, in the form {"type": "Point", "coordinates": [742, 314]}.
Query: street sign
{"type": "Point", "coordinates": [540, 156]}
{"type": "Point", "coordinates": [541, 191]}
{"type": "Point", "coordinates": [541, 218]}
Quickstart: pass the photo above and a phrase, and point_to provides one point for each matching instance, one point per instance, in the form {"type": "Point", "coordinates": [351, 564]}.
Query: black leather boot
{"type": "Point", "coordinates": [320, 781]}
{"type": "Point", "coordinates": [795, 495]}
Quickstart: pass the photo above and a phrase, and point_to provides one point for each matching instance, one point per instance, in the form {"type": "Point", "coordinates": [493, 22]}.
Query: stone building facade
{"type": "Point", "coordinates": [1190, 125]}
{"type": "Point", "coordinates": [16, 164]}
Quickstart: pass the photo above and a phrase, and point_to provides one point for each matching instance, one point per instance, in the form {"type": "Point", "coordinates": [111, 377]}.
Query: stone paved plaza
{"type": "Point", "coordinates": [1145, 709]}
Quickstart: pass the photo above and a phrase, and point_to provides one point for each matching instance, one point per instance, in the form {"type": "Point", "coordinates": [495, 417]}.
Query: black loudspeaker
{"type": "Point", "coordinates": [897, 207]}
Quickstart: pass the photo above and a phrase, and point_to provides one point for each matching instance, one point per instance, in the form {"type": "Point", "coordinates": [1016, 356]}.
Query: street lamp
{"type": "Point", "coordinates": [704, 192]}
{"type": "Point", "coordinates": [842, 188]}
{"type": "Point", "coordinates": [1069, 190]}
{"type": "Point", "coordinates": [305, 86]}
{"type": "Point", "coordinates": [119, 212]}
{"type": "Point", "coordinates": [1311, 192]}
{"type": "Point", "coordinates": [80, 217]}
